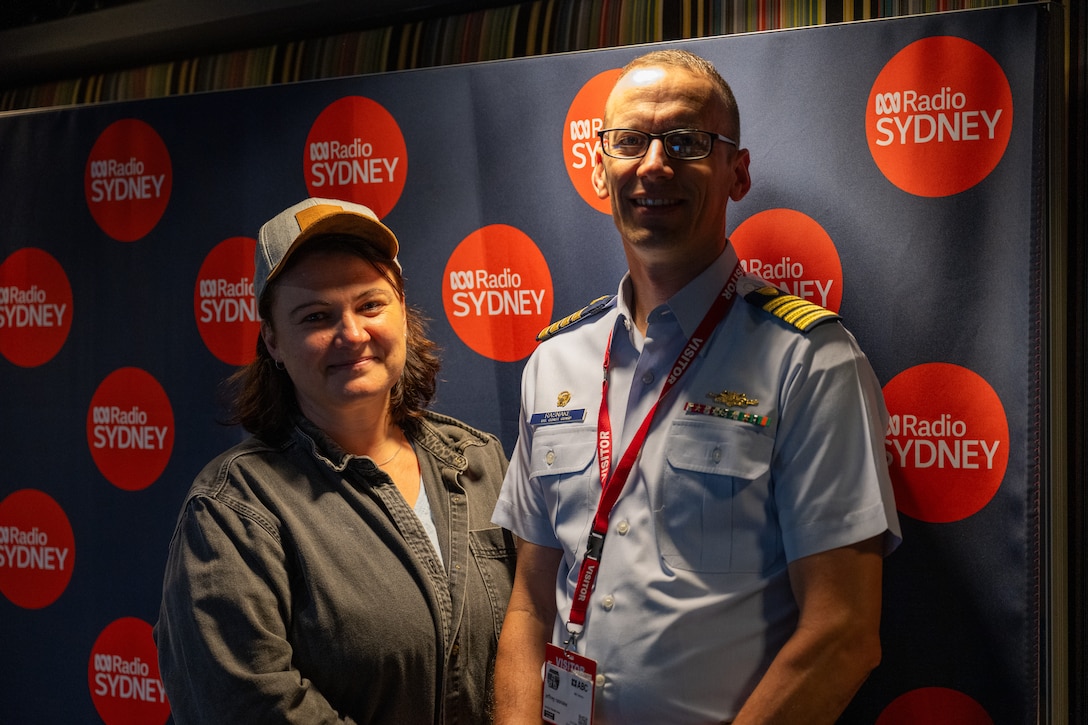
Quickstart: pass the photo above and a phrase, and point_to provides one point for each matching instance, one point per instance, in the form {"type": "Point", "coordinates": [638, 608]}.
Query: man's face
{"type": "Point", "coordinates": [663, 205]}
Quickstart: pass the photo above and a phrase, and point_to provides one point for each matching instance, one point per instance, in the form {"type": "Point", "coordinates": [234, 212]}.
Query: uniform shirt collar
{"type": "Point", "coordinates": [690, 304]}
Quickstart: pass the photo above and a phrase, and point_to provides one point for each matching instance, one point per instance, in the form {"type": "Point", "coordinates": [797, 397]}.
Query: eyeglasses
{"type": "Point", "coordinates": [686, 144]}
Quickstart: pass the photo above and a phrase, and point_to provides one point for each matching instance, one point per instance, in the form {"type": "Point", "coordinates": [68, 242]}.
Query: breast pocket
{"type": "Point", "coordinates": [716, 510]}
{"type": "Point", "coordinates": [564, 461]}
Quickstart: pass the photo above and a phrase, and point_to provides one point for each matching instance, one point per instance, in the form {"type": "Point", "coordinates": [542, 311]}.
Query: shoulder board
{"type": "Point", "coordinates": [593, 308]}
{"type": "Point", "coordinates": [799, 312]}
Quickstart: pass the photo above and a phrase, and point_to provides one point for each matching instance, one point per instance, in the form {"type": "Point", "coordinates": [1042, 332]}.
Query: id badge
{"type": "Point", "coordinates": [568, 687]}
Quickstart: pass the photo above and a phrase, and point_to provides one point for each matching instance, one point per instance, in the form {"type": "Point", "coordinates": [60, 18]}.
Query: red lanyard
{"type": "Point", "coordinates": [613, 481]}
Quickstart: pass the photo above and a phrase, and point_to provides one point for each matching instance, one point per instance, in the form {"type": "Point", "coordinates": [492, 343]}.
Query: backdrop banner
{"type": "Point", "coordinates": [899, 177]}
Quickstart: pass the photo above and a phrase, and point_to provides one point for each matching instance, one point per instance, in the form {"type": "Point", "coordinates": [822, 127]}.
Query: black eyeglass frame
{"type": "Point", "coordinates": [663, 137]}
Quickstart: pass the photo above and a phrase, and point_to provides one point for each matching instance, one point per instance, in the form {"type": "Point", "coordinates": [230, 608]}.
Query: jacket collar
{"type": "Point", "coordinates": [443, 437]}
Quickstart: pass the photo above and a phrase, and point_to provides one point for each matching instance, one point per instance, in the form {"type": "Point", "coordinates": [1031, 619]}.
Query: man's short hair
{"type": "Point", "coordinates": [697, 65]}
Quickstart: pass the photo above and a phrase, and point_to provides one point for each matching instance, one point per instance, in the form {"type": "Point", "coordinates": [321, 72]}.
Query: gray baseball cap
{"type": "Point", "coordinates": [284, 233]}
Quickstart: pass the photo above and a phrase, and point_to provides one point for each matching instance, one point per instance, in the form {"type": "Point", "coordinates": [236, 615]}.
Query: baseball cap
{"type": "Point", "coordinates": [282, 235]}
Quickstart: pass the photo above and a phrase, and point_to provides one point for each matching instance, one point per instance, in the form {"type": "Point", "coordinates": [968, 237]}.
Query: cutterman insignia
{"type": "Point", "coordinates": [595, 307]}
{"type": "Point", "coordinates": [800, 313]}
{"type": "Point", "coordinates": [733, 400]}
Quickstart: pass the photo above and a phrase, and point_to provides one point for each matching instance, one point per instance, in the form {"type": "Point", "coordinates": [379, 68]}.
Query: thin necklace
{"type": "Point", "coordinates": [388, 460]}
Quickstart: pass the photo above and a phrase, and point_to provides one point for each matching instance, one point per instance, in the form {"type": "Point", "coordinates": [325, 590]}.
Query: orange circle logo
{"type": "Point", "coordinates": [123, 675]}
{"type": "Point", "coordinates": [934, 706]}
{"type": "Point", "coordinates": [223, 302]}
{"type": "Point", "coordinates": [130, 429]}
{"type": "Point", "coordinates": [947, 442]}
{"type": "Point", "coordinates": [939, 116]}
{"type": "Point", "coordinates": [585, 118]}
{"type": "Point", "coordinates": [35, 307]}
{"type": "Point", "coordinates": [497, 292]}
{"type": "Point", "coordinates": [356, 152]}
{"type": "Point", "coordinates": [37, 549]}
{"type": "Point", "coordinates": [128, 180]}
{"type": "Point", "coordinates": [789, 249]}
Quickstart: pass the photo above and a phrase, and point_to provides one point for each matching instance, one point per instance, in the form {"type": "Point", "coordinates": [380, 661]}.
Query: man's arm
{"type": "Point", "coordinates": [836, 644]}
{"type": "Point", "coordinates": [530, 616]}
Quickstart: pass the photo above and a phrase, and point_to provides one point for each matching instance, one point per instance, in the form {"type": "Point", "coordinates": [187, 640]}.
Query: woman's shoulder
{"type": "Point", "coordinates": [236, 471]}
{"type": "Point", "coordinates": [456, 430]}
{"type": "Point", "coordinates": [459, 444]}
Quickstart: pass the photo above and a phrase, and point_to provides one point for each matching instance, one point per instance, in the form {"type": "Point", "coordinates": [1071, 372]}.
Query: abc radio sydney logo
{"type": "Point", "coordinates": [29, 308]}
{"type": "Point", "coordinates": [911, 117]}
{"type": "Point", "coordinates": [128, 179]}
{"type": "Point", "coordinates": [130, 428]}
{"type": "Point", "coordinates": [35, 307]}
{"type": "Point", "coordinates": [114, 180]}
{"type": "Point", "coordinates": [123, 675]}
{"type": "Point", "coordinates": [223, 303]}
{"type": "Point", "coordinates": [37, 549]}
{"type": "Point", "coordinates": [479, 291]}
{"type": "Point", "coordinates": [947, 442]}
{"type": "Point", "coordinates": [939, 117]}
{"type": "Point", "coordinates": [341, 164]}
{"type": "Point", "coordinates": [497, 292]}
{"type": "Point", "coordinates": [355, 150]}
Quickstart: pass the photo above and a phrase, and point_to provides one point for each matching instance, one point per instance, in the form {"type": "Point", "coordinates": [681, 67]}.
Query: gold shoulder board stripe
{"type": "Point", "coordinates": [800, 313]}
{"type": "Point", "coordinates": [593, 308]}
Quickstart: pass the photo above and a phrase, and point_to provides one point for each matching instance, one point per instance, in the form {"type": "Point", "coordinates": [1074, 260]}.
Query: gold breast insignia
{"type": "Point", "coordinates": [731, 399]}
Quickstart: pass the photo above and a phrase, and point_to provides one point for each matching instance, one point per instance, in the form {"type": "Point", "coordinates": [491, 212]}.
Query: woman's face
{"type": "Point", "coordinates": [339, 328]}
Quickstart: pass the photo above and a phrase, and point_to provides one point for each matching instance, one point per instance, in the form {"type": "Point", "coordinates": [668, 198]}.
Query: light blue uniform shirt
{"type": "Point", "coordinates": [692, 600]}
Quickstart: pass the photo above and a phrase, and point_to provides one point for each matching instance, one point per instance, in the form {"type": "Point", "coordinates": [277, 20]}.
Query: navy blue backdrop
{"type": "Point", "coordinates": [951, 279]}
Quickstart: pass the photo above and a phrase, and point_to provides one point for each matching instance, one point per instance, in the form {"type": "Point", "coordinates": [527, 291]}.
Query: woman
{"type": "Point", "coordinates": [339, 565]}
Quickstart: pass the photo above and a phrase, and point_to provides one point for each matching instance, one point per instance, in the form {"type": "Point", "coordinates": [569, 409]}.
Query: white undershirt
{"type": "Point", "coordinates": [423, 511]}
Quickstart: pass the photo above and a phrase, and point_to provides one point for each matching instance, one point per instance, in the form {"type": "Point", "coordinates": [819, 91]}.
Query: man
{"type": "Point", "coordinates": [736, 576]}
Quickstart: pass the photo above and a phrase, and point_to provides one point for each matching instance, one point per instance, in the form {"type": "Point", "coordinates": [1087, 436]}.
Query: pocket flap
{"type": "Point", "coordinates": [721, 447]}
{"type": "Point", "coordinates": [560, 452]}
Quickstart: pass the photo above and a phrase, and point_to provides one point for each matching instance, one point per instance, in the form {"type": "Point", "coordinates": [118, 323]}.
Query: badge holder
{"type": "Point", "coordinates": [569, 685]}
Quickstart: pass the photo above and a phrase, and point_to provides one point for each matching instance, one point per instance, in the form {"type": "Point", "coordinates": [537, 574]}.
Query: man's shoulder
{"type": "Point", "coordinates": [594, 308]}
{"type": "Point", "coordinates": [797, 312]}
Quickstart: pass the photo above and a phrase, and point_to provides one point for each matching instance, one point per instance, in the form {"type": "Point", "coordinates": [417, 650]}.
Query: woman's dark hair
{"type": "Point", "coordinates": [261, 396]}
